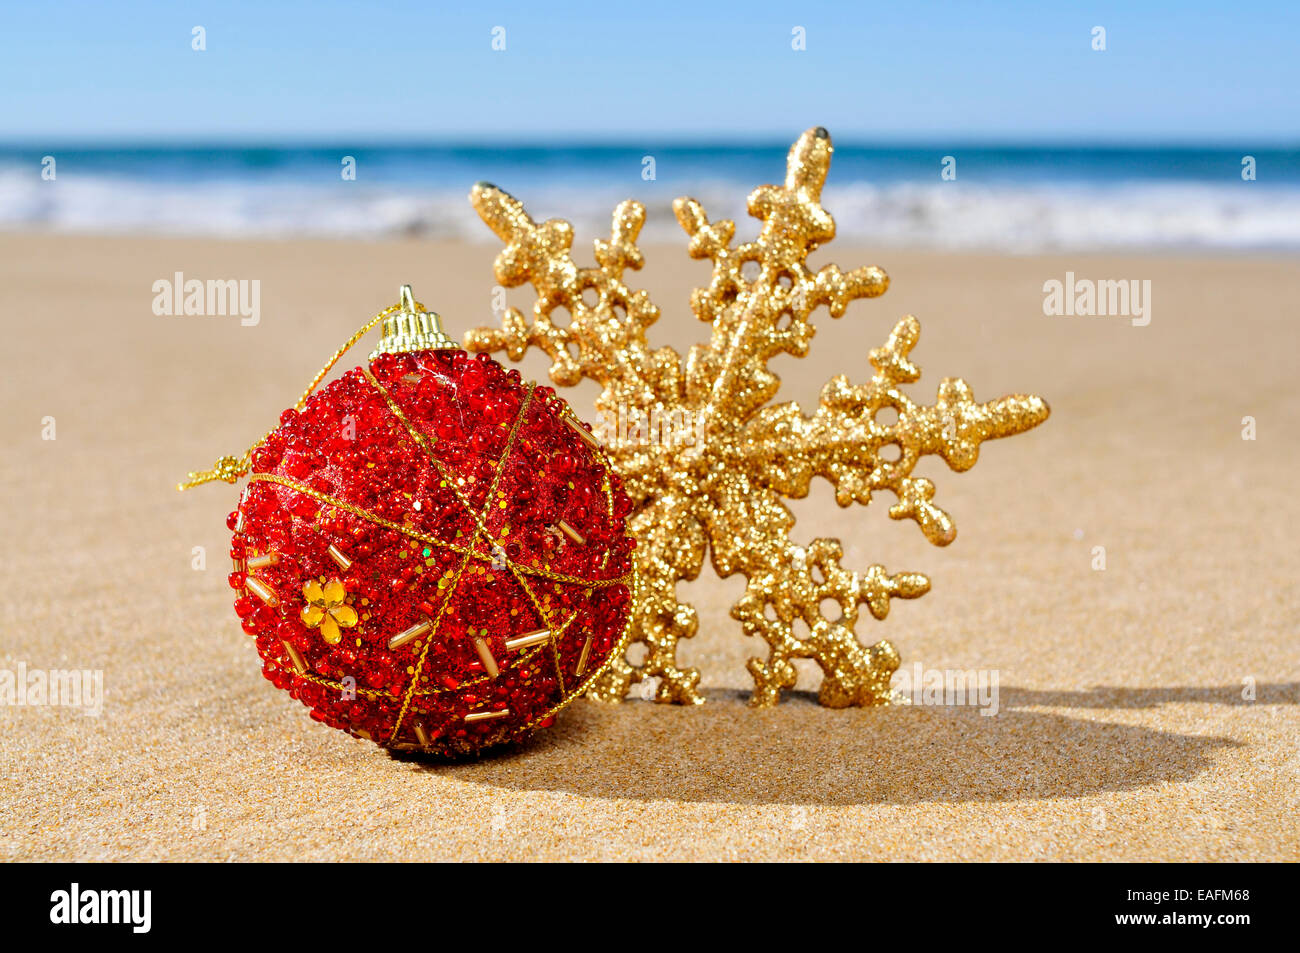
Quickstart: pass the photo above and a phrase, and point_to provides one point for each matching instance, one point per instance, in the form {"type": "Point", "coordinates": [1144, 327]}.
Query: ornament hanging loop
{"type": "Point", "coordinates": [412, 328]}
{"type": "Point", "coordinates": [231, 468]}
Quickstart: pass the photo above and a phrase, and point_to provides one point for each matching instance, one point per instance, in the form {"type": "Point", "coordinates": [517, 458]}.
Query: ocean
{"type": "Point", "coordinates": [1005, 198]}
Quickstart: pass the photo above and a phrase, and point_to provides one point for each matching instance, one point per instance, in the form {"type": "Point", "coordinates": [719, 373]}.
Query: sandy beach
{"type": "Point", "coordinates": [1149, 710]}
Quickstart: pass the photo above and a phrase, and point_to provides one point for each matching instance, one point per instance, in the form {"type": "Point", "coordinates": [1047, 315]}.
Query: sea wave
{"type": "Point", "coordinates": [1001, 216]}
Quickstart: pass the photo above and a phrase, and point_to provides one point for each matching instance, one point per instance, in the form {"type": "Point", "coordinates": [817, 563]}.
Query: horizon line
{"type": "Point", "coordinates": [655, 140]}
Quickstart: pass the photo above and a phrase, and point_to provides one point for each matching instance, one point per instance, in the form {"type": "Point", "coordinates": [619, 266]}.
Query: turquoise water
{"type": "Point", "coordinates": [1022, 198]}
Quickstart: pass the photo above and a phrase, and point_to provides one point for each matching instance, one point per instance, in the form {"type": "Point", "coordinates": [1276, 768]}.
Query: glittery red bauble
{"type": "Point", "coordinates": [432, 554]}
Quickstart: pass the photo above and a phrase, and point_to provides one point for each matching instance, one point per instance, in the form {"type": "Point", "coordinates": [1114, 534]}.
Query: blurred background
{"type": "Point", "coordinates": [1020, 127]}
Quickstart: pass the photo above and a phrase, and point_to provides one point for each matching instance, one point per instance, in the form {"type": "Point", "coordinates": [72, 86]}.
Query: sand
{"type": "Point", "coordinates": [1127, 729]}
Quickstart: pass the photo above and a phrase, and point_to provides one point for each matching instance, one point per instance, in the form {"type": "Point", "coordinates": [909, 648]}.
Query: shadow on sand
{"type": "Point", "coordinates": [800, 753]}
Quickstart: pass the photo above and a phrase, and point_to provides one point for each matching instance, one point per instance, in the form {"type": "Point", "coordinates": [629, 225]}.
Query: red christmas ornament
{"type": "Point", "coordinates": [430, 553]}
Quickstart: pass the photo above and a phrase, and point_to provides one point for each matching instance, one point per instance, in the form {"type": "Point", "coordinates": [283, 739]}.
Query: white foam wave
{"type": "Point", "coordinates": [949, 215]}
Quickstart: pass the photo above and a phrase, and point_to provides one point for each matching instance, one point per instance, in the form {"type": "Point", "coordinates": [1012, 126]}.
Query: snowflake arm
{"type": "Point", "coordinates": [755, 318]}
{"type": "Point", "coordinates": [605, 337]}
{"type": "Point", "coordinates": [787, 585]}
{"type": "Point", "coordinates": [845, 441]}
{"type": "Point", "coordinates": [674, 542]}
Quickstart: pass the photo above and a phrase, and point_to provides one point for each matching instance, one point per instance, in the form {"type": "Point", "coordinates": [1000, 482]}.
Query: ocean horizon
{"type": "Point", "coordinates": [1014, 198]}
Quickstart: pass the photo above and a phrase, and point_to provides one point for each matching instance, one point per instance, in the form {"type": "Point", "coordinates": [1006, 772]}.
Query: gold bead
{"type": "Point", "coordinates": [262, 591]}
{"type": "Point", "coordinates": [486, 657]}
{"type": "Point", "coordinates": [535, 637]}
{"type": "Point", "coordinates": [406, 635]}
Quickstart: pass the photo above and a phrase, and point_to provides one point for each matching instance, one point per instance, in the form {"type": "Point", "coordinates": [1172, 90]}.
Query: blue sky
{"type": "Point", "coordinates": [1198, 72]}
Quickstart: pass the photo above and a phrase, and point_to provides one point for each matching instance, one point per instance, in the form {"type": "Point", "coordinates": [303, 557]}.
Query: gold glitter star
{"type": "Point", "coordinates": [708, 461]}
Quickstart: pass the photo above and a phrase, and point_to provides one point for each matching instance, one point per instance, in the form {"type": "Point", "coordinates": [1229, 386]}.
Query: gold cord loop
{"type": "Point", "coordinates": [231, 468]}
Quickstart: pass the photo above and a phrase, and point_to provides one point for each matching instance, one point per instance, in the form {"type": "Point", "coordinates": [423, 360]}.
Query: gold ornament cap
{"type": "Point", "coordinates": [412, 328]}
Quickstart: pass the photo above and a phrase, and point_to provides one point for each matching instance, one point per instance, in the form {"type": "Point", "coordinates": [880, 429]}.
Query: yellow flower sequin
{"type": "Point", "coordinates": [326, 610]}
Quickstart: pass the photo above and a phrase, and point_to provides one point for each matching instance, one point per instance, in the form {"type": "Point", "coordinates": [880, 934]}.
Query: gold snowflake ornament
{"type": "Point", "coordinates": [707, 458]}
